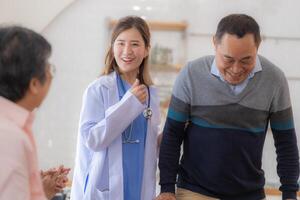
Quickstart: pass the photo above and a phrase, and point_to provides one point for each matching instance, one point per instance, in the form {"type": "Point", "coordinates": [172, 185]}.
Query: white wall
{"type": "Point", "coordinates": [79, 37]}
{"type": "Point", "coordinates": [35, 14]}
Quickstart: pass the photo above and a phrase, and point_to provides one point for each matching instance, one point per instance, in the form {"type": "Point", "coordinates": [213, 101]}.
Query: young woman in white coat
{"type": "Point", "coordinates": [117, 141]}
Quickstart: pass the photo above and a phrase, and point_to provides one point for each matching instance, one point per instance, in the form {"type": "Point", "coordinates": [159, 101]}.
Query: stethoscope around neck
{"type": "Point", "coordinates": [147, 113]}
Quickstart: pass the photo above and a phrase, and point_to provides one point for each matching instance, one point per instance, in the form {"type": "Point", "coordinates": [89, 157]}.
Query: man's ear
{"type": "Point", "coordinates": [34, 86]}
{"type": "Point", "coordinates": [215, 42]}
{"type": "Point", "coordinates": [257, 45]}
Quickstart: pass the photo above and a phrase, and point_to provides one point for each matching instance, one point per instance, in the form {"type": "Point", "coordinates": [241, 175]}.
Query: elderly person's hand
{"type": "Point", "coordinates": [62, 178]}
{"type": "Point", "coordinates": [49, 185]}
{"type": "Point", "coordinates": [54, 180]}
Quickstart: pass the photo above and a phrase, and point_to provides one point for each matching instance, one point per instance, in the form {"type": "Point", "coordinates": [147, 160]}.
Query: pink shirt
{"type": "Point", "coordinates": [19, 173]}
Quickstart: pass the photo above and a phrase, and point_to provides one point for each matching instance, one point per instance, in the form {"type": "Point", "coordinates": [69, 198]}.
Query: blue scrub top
{"type": "Point", "coordinates": [132, 151]}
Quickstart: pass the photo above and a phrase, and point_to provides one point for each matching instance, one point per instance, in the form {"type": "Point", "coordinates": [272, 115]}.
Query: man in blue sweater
{"type": "Point", "coordinates": [220, 109]}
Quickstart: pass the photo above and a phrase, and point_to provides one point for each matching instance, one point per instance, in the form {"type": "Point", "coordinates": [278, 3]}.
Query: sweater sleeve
{"type": "Point", "coordinates": [173, 133]}
{"type": "Point", "coordinates": [282, 125]}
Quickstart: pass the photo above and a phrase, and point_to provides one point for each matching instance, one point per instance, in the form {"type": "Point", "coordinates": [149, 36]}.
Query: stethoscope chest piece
{"type": "Point", "coordinates": [147, 113]}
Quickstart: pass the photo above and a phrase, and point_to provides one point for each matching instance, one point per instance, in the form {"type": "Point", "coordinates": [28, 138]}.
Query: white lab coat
{"type": "Point", "coordinates": [99, 147]}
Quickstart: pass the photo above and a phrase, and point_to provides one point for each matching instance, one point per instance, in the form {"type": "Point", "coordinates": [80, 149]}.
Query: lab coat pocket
{"type": "Point", "coordinates": [103, 195]}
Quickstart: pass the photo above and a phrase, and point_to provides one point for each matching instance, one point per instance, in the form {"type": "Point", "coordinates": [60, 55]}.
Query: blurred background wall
{"type": "Point", "coordinates": [79, 35]}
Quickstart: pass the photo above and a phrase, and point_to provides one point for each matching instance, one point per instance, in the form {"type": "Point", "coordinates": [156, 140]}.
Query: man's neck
{"type": "Point", "coordinates": [25, 103]}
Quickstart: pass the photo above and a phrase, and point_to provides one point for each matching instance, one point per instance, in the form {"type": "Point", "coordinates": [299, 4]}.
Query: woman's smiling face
{"type": "Point", "coordinates": [129, 51]}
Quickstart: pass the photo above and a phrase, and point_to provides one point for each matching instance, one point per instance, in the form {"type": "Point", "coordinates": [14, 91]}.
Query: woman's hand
{"type": "Point", "coordinates": [140, 91]}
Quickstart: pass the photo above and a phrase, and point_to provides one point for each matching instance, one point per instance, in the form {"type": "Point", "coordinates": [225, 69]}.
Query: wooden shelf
{"type": "Point", "coordinates": [159, 25]}
{"type": "Point", "coordinates": [165, 67]}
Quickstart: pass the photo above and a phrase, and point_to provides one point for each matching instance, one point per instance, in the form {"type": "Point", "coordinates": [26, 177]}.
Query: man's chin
{"type": "Point", "coordinates": [234, 81]}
